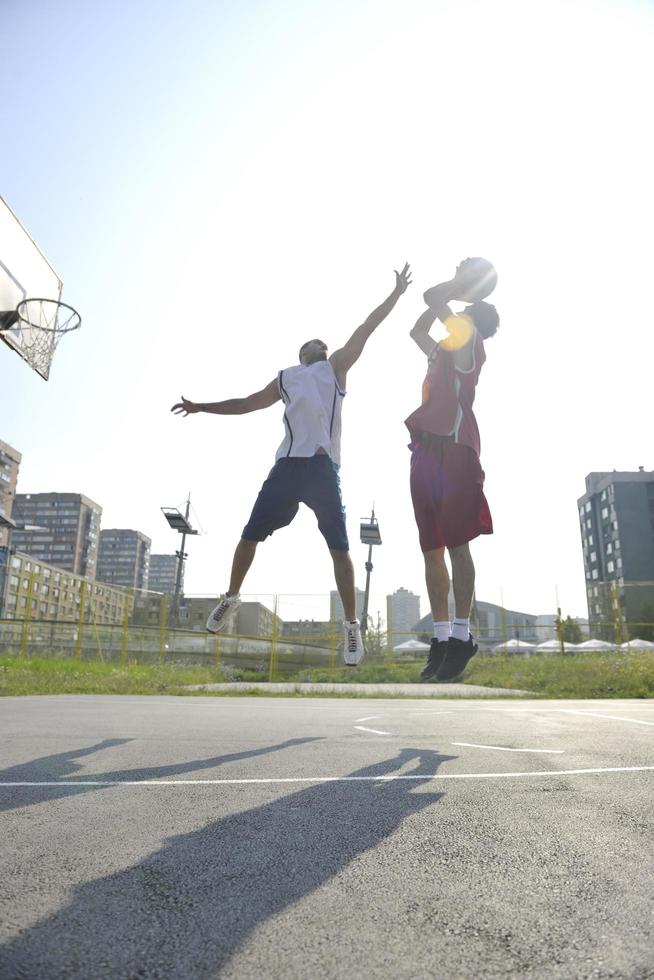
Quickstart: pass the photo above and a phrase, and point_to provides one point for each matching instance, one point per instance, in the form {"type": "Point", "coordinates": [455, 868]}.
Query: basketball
{"type": "Point", "coordinates": [474, 280]}
{"type": "Point", "coordinates": [478, 279]}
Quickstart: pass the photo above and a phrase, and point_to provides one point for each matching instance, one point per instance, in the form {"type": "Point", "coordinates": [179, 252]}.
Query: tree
{"type": "Point", "coordinates": [376, 639]}
{"type": "Point", "coordinates": [572, 631]}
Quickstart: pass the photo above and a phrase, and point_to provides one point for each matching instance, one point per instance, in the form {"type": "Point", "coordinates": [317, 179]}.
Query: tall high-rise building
{"type": "Point", "coordinates": [124, 558]}
{"type": "Point", "coordinates": [163, 572]}
{"type": "Point", "coordinates": [616, 517]}
{"type": "Point", "coordinates": [336, 614]}
{"type": "Point", "coordinates": [9, 464]}
{"type": "Point", "coordinates": [402, 613]}
{"type": "Point", "coordinates": [72, 528]}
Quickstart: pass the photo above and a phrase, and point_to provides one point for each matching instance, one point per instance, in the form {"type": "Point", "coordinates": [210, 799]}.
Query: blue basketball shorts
{"type": "Point", "coordinates": [295, 480]}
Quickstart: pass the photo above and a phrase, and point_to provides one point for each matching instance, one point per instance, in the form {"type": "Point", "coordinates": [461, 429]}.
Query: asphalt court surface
{"type": "Point", "coordinates": [254, 837]}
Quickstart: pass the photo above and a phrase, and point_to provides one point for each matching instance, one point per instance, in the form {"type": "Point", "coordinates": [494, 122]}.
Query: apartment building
{"type": "Point", "coordinates": [39, 591]}
{"type": "Point", "coordinates": [616, 521]}
{"type": "Point", "coordinates": [163, 572]}
{"type": "Point", "coordinates": [70, 530]}
{"type": "Point", "coordinates": [402, 614]}
{"type": "Point", "coordinates": [9, 465]}
{"type": "Point", "coordinates": [124, 558]}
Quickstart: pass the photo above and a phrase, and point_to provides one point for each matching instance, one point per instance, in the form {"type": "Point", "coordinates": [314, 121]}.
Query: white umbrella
{"type": "Point", "coordinates": [555, 645]}
{"type": "Point", "coordinates": [410, 645]}
{"type": "Point", "coordinates": [637, 645]}
{"type": "Point", "coordinates": [595, 645]}
{"type": "Point", "coordinates": [514, 646]}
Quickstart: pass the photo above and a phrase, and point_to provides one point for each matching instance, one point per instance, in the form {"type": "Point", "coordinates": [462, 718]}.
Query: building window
{"type": "Point", "coordinates": [603, 497]}
{"type": "Point", "coordinates": [610, 566]}
{"type": "Point", "coordinates": [618, 562]}
{"type": "Point", "coordinates": [609, 550]}
{"type": "Point", "coordinates": [605, 513]}
{"type": "Point", "coordinates": [588, 507]}
{"type": "Point", "coordinates": [590, 540]}
{"type": "Point", "coordinates": [595, 574]}
{"type": "Point", "coordinates": [593, 557]}
{"type": "Point", "coordinates": [589, 524]}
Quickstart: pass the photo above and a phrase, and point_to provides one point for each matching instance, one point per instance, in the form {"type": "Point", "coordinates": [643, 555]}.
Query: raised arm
{"type": "Point", "coordinates": [232, 406]}
{"type": "Point", "coordinates": [343, 359]}
{"type": "Point", "coordinates": [420, 331]}
{"type": "Point", "coordinates": [437, 299]}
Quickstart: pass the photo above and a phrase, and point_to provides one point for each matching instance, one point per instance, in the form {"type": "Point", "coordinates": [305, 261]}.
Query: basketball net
{"type": "Point", "coordinates": [41, 323]}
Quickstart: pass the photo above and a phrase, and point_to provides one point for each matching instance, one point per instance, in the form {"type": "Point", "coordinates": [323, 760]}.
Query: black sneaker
{"type": "Point", "coordinates": [459, 653]}
{"type": "Point", "coordinates": [437, 651]}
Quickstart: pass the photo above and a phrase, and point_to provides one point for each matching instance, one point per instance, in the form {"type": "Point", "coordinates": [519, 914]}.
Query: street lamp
{"type": "Point", "coordinates": [370, 535]}
{"type": "Point", "coordinates": [179, 522]}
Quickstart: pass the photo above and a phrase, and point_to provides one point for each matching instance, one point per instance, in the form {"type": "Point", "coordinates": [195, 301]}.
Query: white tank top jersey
{"type": "Point", "coordinates": [312, 416]}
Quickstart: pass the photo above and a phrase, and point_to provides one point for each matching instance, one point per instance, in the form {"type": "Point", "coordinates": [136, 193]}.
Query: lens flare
{"type": "Point", "coordinates": [459, 331]}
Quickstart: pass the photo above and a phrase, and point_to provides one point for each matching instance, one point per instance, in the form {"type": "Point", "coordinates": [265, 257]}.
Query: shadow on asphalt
{"type": "Point", "coordinates": [186, 910]}
{"type": "Point", "coordinates": [63, 766]}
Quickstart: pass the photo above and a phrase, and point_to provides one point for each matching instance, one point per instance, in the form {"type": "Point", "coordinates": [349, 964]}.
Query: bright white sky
{"type": "Point", "coordinates": [217, 182]}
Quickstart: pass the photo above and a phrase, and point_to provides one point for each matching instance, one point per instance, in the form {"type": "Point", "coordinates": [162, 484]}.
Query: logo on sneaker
{"type": "Point", "coordinates": [353, 649]}
{"type": "Point", "coordinates": [222, 613]}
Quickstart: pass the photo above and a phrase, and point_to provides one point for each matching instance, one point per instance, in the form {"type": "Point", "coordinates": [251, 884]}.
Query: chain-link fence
{"type": "Point", "coordinates": [277, 633]}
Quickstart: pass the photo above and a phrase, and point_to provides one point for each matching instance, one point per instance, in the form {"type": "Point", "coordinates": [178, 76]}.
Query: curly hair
{"type": "Point", "coordinates": [485, 318]}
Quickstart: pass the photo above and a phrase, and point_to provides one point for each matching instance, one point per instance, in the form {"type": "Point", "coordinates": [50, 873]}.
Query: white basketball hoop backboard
{"type": "Point", "coordinates": [24, 273]}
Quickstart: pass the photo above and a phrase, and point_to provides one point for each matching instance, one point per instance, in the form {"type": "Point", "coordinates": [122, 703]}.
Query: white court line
{"type": "Point", "coordinates": [502, 748]}
{"type": "Point", "coordinates": [333, 779]}
{"type": "Point", "coordinates": [595, 714]}
{"type": "Point", "coordinates": [372, 730]}
{"type": "Point", "coordinates": [368, 718]}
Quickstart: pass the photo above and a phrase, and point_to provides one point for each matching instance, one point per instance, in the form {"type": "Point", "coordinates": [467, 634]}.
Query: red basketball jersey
{"type": "Point", "coordinates": [448, 395]}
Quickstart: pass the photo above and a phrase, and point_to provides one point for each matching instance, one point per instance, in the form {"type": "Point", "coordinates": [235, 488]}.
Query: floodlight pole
{"type": "Point", "coordinates": [366, 597]}
{"type": "Point", "coordinates": [181, 557]}
{"type": "Point", "coordinates": [364, 613]}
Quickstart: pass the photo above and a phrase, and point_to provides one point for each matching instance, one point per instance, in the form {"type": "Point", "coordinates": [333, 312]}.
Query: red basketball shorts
{"type": "Point", "coordinates": [447, 490]}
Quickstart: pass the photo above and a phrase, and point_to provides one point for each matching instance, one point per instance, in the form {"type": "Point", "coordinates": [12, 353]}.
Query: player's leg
{"type": "Point", "coordinates": [437, 580]}
{"type": "Point", "coordinates": [344, 576]}
{"type": "Point", "coordinates": [426, 494]}
{"type": "Point", "coordinates": [243, 558]}
{"type": "Point", "coordinates": [463, 585]}
{"type": "Point", "coordinates": [465, 516]}
{"type": "Point", "coordinates": [322, 493]}
{"type": "Point", "coordinates": [275, 507]}
{"type": "Point", "coordinates": [461, 645]}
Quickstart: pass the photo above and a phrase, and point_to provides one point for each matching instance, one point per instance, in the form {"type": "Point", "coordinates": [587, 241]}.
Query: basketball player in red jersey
{"type": "Point", "coordinates": [446, 476]}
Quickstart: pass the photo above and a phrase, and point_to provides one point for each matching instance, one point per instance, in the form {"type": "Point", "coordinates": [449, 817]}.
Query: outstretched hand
{"type": "Point", "coordinates": [402, 279]}
{"type": "Point", "coordinates": [185, 407]}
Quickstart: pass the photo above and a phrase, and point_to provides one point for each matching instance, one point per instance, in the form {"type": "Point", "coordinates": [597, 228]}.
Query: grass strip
{"type": "Point", "coordinates": [591, 675]}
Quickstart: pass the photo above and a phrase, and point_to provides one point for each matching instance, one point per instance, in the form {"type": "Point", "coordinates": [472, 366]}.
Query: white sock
{"type": "Point", "coordinates": [461, 629]}
{"type": "Point", "coordinates": [442, 631]}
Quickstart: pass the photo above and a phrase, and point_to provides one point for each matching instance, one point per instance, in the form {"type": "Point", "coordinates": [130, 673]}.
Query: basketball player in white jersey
{"type": "Point", "coordinates": [307, 462]}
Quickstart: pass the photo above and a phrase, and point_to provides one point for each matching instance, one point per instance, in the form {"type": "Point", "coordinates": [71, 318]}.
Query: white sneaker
{"type": "Point", "coordinates": [353, 650]}
{"type": "Point", "coordinates": [223, 612]}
